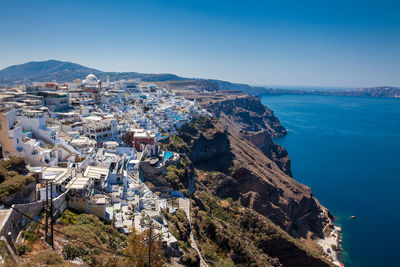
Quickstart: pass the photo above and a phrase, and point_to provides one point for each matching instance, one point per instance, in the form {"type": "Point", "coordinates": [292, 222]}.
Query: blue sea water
{"type": "Point", "coordinates": [347, 149]}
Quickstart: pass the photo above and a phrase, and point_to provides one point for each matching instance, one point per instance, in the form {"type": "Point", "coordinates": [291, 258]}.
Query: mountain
{"type": "Point", "coordinates": [45, 71]}
{"type": "Point", "coordinates": [66, 71]}
{"type": "Point", "coordinates": [61, 71]}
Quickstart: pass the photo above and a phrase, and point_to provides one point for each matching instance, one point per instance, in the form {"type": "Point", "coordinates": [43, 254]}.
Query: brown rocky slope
{"type": "Point", "coordinates": [234, 157]}
{"type": "Point", "coordinates": [248, 117]}
{"type": "Point", "coordinates": [239, 170]}
{"type": "Point", "coordinates": [229, 167]}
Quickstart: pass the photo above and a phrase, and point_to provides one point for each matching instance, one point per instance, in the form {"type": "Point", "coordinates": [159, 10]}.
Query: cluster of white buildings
{"type": "Point", "coordinates": [89, 138]}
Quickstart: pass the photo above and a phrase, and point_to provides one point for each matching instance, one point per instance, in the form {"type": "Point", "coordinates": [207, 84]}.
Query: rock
{"type": "Point", "coordinates": [250, 119]}
{"type": "Point", "coordinates": [237, 169]}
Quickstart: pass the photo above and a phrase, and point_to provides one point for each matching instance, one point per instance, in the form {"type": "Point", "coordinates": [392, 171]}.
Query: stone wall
{"type": "Point", "coordinates": [27, 195]}
{"type": "Point", "coordinates": [98, 210]}
{"type": "Point", "coordinates": [79, 203]}
{"type": "Point", "coordinates": [15, 221]}
{"type": "Point", "coordinates": [60, 203]}
{"type": "Point", "coordinates": [148, 169]}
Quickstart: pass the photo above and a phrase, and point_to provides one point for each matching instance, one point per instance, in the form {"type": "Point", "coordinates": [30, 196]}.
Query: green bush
{"type": "Point", "coordinates": [12, 161]}
{"type": "Point", "coordinates": [177, 139]}
{"type": "Point", "coordinates": [175, 176]}
{"type": "Point", "coordinates": [11, 181]}
{"type": "Point", "coordinates": [201, 120]}
{"type": "Point", "coordinates": [30, 235]}
{"type": "Point", "coordinates": [23, 248]}
{"type": "Point", "coordinates": [68, 217]}
{"type": "Point", "coordinates": [210, 253]}
{"type": "Point", "coordinates": [70, 252]}
{"type": "Point", "coordinates": [13, 184]}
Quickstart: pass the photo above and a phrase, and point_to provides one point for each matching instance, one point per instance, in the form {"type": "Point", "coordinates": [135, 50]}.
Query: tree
{"type": "Point", "coordinates": [156, 252]}
{"type": "Point", "coordinates": [138, 250]}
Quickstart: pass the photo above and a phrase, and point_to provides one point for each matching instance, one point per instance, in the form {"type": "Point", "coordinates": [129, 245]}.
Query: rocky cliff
{"type": "Point", "coordinates": [247, 114]}
{"type": "Point", "coordinates": [248, 117]}
{"type": "Point", "coordinates": [230, 167]}
{"type": "Point", "coordinates": [234, 167]}
{"type": "Point", "coordinates": [234, 158]}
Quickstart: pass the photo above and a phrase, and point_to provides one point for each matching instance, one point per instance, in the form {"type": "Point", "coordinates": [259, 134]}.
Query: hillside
{"type": "Point", "coordinates": [61, 71]}
{"type": "Point", "coordinates": [45, 71]}
{"type": "Point", "coordinates": [246, 210]}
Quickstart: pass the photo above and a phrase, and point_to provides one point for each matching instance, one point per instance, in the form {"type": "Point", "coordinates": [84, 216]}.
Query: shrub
{"type": "Point", "coordinates": [13, 184]}
{"type": "Point", "coordinates": [177, 139]}
{"type": "Point", "coordinates": [30, 236]}
{"type": "Point", "coordinates": [190, 259]}
{"type": "Point", "coordinates": [23, 248]}
{"type": "Point", "coordinates": [185, 192]}
{"type": "Point", "coordinates": [210, 253]}
{"type": "Point", "coordinates": [69, 217]}
{"type": "Point", "coordinates": [184, 245]}
{"type": "Point", "coordinates": [210, 227]}
{"type": "Point", "coordinates": [48, 257]}
{"type": "Point", "coordinates": [71, 252]}
{"type": "Point", "coordinates": [8, 260]}
{"type": "Point", "coordinates": [12, 161]}
{"type": "Point", "coordinates": [201, 120]}
{"type": "Point", "coordinates": [90, 260]}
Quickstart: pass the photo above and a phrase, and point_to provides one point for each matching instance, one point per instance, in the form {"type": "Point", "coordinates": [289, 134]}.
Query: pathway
{"type": "Point", "coordinates": [185, 205]}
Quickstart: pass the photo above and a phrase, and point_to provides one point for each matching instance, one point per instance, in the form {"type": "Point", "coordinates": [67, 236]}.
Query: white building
{"type": "Point", "coordinates": [10, 132]}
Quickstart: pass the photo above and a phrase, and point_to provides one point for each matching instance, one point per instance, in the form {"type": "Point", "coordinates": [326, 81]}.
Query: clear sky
{"type": "Point", "coordinates": [281, 42]}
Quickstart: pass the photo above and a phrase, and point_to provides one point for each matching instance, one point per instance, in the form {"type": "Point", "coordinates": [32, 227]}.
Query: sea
{"type": "Point", "coordinates": [347, 150]}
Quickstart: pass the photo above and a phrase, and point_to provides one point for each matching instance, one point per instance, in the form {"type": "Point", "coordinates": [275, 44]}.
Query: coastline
{"type": "Point", "coordinates": [331, 244]}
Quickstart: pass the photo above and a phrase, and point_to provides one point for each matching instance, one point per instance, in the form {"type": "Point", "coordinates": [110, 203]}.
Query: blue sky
{"type": "Point", "coordinates": [320, 43]}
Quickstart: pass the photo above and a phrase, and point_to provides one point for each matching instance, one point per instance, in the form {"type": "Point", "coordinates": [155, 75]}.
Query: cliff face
{"type": "Point", "coordinates": [245, 237]}
{"type": "Point", "coordinates": [248, 114]}
{"type": "Point", "coordinates": [263, 141]}
{"type": "Point", "coordinates": [235, 160]}
{"type": "Point", "coordinates": [233, 167]}
{"type": "Point", "coordinates": [245, 207]}
{"type": "Point", "coordinates": [249, 118]}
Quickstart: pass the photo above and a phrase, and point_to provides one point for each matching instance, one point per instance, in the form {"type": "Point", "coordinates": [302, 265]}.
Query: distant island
{"type": "Point", "coordinates": [381, 91]}
{"type": "Point", "coordinates": [62, 71]}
